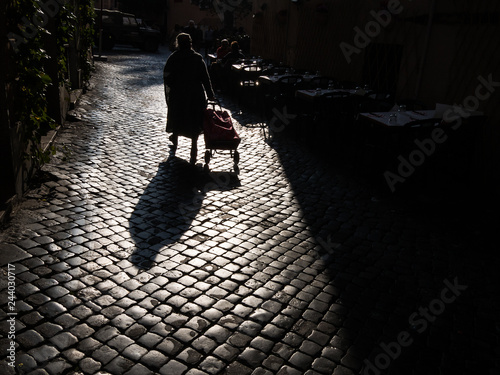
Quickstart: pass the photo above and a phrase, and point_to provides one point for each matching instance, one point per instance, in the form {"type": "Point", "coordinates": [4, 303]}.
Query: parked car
{"type": "Point", "coordinates": [123, 28]}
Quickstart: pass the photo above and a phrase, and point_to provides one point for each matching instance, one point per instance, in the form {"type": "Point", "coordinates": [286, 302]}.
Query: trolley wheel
{"type": "Point", "coordinates": [207, 156]}
{"type": "Point", "coordinates": [236, 157]}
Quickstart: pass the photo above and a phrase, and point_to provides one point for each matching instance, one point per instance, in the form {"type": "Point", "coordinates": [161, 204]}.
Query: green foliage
{"type": "Point", "coordinates": [65, 21]}
{"type": "Point", "coordinates": [86, 18]}
{"type": "Point", "coordinates": [30, 84]}
{"type": "Point", "coordinates": [30, 81]}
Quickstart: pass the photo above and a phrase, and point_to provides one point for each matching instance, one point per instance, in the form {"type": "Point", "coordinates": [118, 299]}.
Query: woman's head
{"type": "Point", "coordinates": [183, 41]}
{"type": "Point", "coordinates": [235, 47]}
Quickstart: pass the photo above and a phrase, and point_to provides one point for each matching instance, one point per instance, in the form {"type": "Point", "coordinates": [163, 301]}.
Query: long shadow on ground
{"type": "Point", "coordinates": [168, 206]}
{"type": "Point", "coordinates": [387, 266]}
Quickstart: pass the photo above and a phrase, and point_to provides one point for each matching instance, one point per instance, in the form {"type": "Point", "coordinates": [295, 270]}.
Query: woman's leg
{"type": "Point", "coordinates": [174, 138]}
{"type": "Point", "coordinates": [194, 150]}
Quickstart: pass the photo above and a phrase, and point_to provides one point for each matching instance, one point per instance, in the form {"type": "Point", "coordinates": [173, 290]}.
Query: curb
{"type": "Point", "coordinates": [45, 142]}
{"type": "Point", "coordinates": [9, 206]}
{"type": "Point", "coordinates": [11, 253]}
{"type": "Point", "coordinates": [50, 137]}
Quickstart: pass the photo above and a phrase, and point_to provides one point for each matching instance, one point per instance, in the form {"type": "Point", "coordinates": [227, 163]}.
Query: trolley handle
{"type": "Point", "coordinates": [214, 102]}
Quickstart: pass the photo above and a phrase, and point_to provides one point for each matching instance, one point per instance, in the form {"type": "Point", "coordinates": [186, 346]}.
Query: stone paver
{"type": "Point", "coordinates": [137, 263]}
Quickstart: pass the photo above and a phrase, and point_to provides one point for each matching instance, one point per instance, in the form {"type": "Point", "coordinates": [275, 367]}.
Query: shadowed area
{"type": "Point", "coordinates": [169, 205]}
{"type": "Point", "coordinates": [141, 263]}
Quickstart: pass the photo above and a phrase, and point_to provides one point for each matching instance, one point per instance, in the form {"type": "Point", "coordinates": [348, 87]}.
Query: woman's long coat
{"type": "Point", "coordinates": [186, 80]}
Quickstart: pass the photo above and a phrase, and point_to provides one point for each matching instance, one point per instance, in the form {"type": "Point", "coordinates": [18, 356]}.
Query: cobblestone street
{"type": "Point", "coordinates": [129, 260]}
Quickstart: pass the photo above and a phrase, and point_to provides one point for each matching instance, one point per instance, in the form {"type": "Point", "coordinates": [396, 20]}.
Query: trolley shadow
{"type": "Point", "coordinates": [168, 207]}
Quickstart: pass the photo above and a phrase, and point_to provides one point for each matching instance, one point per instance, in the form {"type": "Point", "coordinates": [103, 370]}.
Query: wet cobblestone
{"type": "Point", "coordinates": [142, 264]}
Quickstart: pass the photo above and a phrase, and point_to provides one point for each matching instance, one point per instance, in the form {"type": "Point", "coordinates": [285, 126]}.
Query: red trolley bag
{"type": "Point", "coordinates": [219, 133]}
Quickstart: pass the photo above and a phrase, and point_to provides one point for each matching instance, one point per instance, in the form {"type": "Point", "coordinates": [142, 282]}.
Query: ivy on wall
{"type": "Point", "coordinates": [65, 22]}
{"type": "Point", "coordinates": [30, 80]}
{"type": "Point", "coordinates": [86, 20]}
{"type": "Point", "coordinates": [28, 22]}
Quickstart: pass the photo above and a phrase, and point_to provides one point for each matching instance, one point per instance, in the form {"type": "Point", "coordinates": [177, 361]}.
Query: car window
{"type": "Point", "coordinates": [132, 20]}
{"type": "Point", "coordinates": [126, 21]}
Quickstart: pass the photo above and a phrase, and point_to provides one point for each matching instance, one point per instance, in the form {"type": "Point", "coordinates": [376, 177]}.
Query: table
{"type": "Point", "coordinates": [312, 95]}
{"type": "Point", "coordinates": [399, 119]}
{"type": "Point", "coordinates": [395, 118]}
{"type": "Point", "coordinates": [242, 63]}
{"type": "Point", "coordinates": [275, 78]}
{"type": "Point", "coordinates": [212, 58]}
{"type": "Point", "coordinates": [393, 145]}
{"type": "Point", "coordinates": [239, 67]}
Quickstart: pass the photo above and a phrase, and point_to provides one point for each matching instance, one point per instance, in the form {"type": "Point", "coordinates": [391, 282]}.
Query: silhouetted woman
{"type": "Point", "coordinates": [186, 81]}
